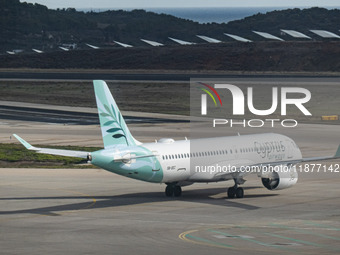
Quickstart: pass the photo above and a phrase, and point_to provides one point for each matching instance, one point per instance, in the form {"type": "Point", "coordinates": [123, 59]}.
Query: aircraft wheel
{"type": "Point", "coordinates": [177, 191]}
{"type": "Point", "coordinates": [169, 191]}
{"type": "Point", "coordinates": [239, 193]}
{"type": "Point", "coordinates": [231, 192]}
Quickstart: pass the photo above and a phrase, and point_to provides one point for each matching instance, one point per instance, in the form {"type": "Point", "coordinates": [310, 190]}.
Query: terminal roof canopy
{"type": "Point", "coordinates": [325, 34]}
{"type": "Point", "coordinates": [237, 38]}
{"type": "Point", "coordinates": [181, 41]}
{"type": "Point", "coordinates": [152, 43]}
{"type": "Point", "coordinates": [123, 44]}
{"type": "Point", "coordinates": [268, 36]}
{"type": "Point", "coordinates": [208, 39]}
{"type": "Point", "coordinates": [295, 34]}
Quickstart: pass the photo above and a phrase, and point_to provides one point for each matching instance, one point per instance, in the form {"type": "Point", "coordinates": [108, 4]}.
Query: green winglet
{"type": "Point", "coordinates": [337, 153]}
{"type": "Point", "coordinates": [23, 142]}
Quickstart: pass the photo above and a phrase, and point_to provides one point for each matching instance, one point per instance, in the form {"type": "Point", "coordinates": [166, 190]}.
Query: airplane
{"type": "Point", "coordinates": [176, 163]}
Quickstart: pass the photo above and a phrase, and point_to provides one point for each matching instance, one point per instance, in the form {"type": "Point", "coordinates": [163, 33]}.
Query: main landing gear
{"type": "Point", "coordinates": [235, 191]}
{"type": "Point", "coordinates": [173, 190]}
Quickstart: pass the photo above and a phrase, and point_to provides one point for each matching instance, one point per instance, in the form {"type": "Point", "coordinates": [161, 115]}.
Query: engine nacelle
{"type": "Point", "coordinates": [282, 177]}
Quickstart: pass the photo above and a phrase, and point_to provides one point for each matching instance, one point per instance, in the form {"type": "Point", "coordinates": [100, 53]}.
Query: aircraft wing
{"type": "Point", "coordinates": [335, 156]}
{"type": "Point", "coordinates": [67, 153]}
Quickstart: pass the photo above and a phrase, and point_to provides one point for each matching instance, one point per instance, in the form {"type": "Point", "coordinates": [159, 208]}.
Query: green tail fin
{"type": "Point", "coordinates": [113, 126]}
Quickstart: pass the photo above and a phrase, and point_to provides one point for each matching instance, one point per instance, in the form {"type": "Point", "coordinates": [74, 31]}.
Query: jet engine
{"type": "Point", "coordinates": [281, 177]}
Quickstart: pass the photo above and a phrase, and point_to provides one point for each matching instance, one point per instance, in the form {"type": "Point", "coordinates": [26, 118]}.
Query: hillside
{"type": "Point", "coordinates": [27, 26]}
{"type": "Point", "coordinates": [294, 19]}
{"type": "Point", "coordinates": [233, 56]}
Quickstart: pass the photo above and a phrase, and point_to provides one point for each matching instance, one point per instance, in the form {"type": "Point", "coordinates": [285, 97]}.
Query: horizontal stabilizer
{"type": "Point", "coordinates": [129, 157]}
{"type": "Point", "coordinates": [66, 153]}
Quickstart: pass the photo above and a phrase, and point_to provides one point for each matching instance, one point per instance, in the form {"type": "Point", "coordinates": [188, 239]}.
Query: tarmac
{"type": "Point", "coordinates": [91, 211]}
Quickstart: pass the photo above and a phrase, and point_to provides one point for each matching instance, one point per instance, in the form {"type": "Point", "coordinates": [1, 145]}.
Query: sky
{"type": "Point", "coordinates": [121, 4]}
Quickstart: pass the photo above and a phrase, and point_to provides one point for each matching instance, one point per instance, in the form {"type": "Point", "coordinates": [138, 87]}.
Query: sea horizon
{"type": "Point", "coordinates": [208, 15]}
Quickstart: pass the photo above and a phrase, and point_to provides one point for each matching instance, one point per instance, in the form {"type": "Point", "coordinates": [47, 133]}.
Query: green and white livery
{"type": "Point", "coordinates": [113, 126]}
{"type": "Point", "coordinates": [181, 163]}
{"type": "Point", "coordinates": [122, 154]}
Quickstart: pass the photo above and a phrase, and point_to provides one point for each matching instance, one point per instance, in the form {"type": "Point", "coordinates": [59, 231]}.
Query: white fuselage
{"type": "Point", "coordinates": [190, 160]}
